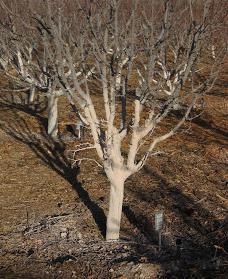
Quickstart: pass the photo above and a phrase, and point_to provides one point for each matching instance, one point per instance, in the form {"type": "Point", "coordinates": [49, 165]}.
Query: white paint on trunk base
{"type": "Point", "coordinates": [31, 95]}
{"type": "Point", "coordinates": [115, 209]}
{"type": "Point", "coordinates": [52, 115]}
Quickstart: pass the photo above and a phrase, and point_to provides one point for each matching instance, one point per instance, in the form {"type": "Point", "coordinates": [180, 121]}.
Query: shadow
{"type": "Point", "coordinates": [61, 259]}
{"type": "Point", "coordinates": [204, 129]}
{"type": "Point", "coordinates": [192, 214]}
{"type": "Point", "coordinates": [192, 245]}
{"type": "Point", "coordinates": [18, 102]}
{"type": "Point", "coordinates": [142, 223]}
{"type": "Point", "coordinates": [210, 126]}
{"type": "Point", "coordinates": [50, 151]}
{"type": "Point", "coordinates": [12, 275]}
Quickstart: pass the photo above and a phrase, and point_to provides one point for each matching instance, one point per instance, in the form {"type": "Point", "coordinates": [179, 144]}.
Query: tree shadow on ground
{"type": "Point", "coordinates": [207, 127]}
{"type": "Point", "coordinates": [50, 151]}
{"type": "Point", "coordinates": [211, 126]}
{"type": "Point", "coordinates": [194, 245]}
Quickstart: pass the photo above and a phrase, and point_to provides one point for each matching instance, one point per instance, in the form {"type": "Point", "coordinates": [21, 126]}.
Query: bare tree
{"type": "Point", "coordinates": [143, 60]}
{"type": "Point", "coordinates": [145, 68]}
{"type": "Point", "coordinates": [32, 59]}
{"type": "Point", "coordinates": [25, 57]}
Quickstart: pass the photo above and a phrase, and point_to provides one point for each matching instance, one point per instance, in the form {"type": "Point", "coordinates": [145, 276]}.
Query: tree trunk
{"type": "Point", "coordinates": [115, 209]}
{"type": "Point", "coordinates": [31, 95]}
{"type": "Point", "coordinates": [52, 115]}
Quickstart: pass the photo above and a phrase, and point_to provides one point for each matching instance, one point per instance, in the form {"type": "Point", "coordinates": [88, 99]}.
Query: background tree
{"type": "Point", "coordinates": [27, 54]}
{"type": "Point", "coordinates": [27, 63]}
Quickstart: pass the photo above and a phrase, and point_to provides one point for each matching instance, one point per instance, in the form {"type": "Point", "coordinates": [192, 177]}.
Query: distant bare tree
{"type": "Point", "coordinates": [26, 60]}
{"type": "Point", "coordinates": [28, 53]}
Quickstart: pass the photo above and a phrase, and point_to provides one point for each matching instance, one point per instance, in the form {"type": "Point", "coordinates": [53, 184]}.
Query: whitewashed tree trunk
{"type": "Point", "coordinates": [52, 115]}
{"type": "Point", "coordinates": [32, 95]}
{"type": "Point", "coordinates": [213, 51]}
{"type": "Point", "coordinates": [115, 209]}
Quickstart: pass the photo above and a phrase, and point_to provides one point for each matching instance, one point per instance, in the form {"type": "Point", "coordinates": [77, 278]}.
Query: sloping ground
{"type": "Point", "coordinates": [53, 216]}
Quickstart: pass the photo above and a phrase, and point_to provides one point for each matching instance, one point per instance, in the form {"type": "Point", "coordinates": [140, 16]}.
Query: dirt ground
{"type": "Point", "coordinates": [53, 215]}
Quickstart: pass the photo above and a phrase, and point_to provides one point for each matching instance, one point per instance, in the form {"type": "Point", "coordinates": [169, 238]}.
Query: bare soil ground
{"type": "Point", "coordinates": [53, 216]}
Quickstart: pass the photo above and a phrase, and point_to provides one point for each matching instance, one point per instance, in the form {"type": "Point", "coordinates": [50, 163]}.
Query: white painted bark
{"type": "Point", "coordinates": [115, 208]}
{"type": "Point", "coordinates": [31, 95]}
{"type": "Point", "coordinates": [213, 51]}
{"type": "Point", "coordinates": [52, 115]}
{"type": "Point", "coordinates": [21, 64]}
{"type": "Point", "coordinates": [119, 74]}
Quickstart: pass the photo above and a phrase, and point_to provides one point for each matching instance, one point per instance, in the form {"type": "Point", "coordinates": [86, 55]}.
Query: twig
{"type": "Point", "coordinates": [87, 159]}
